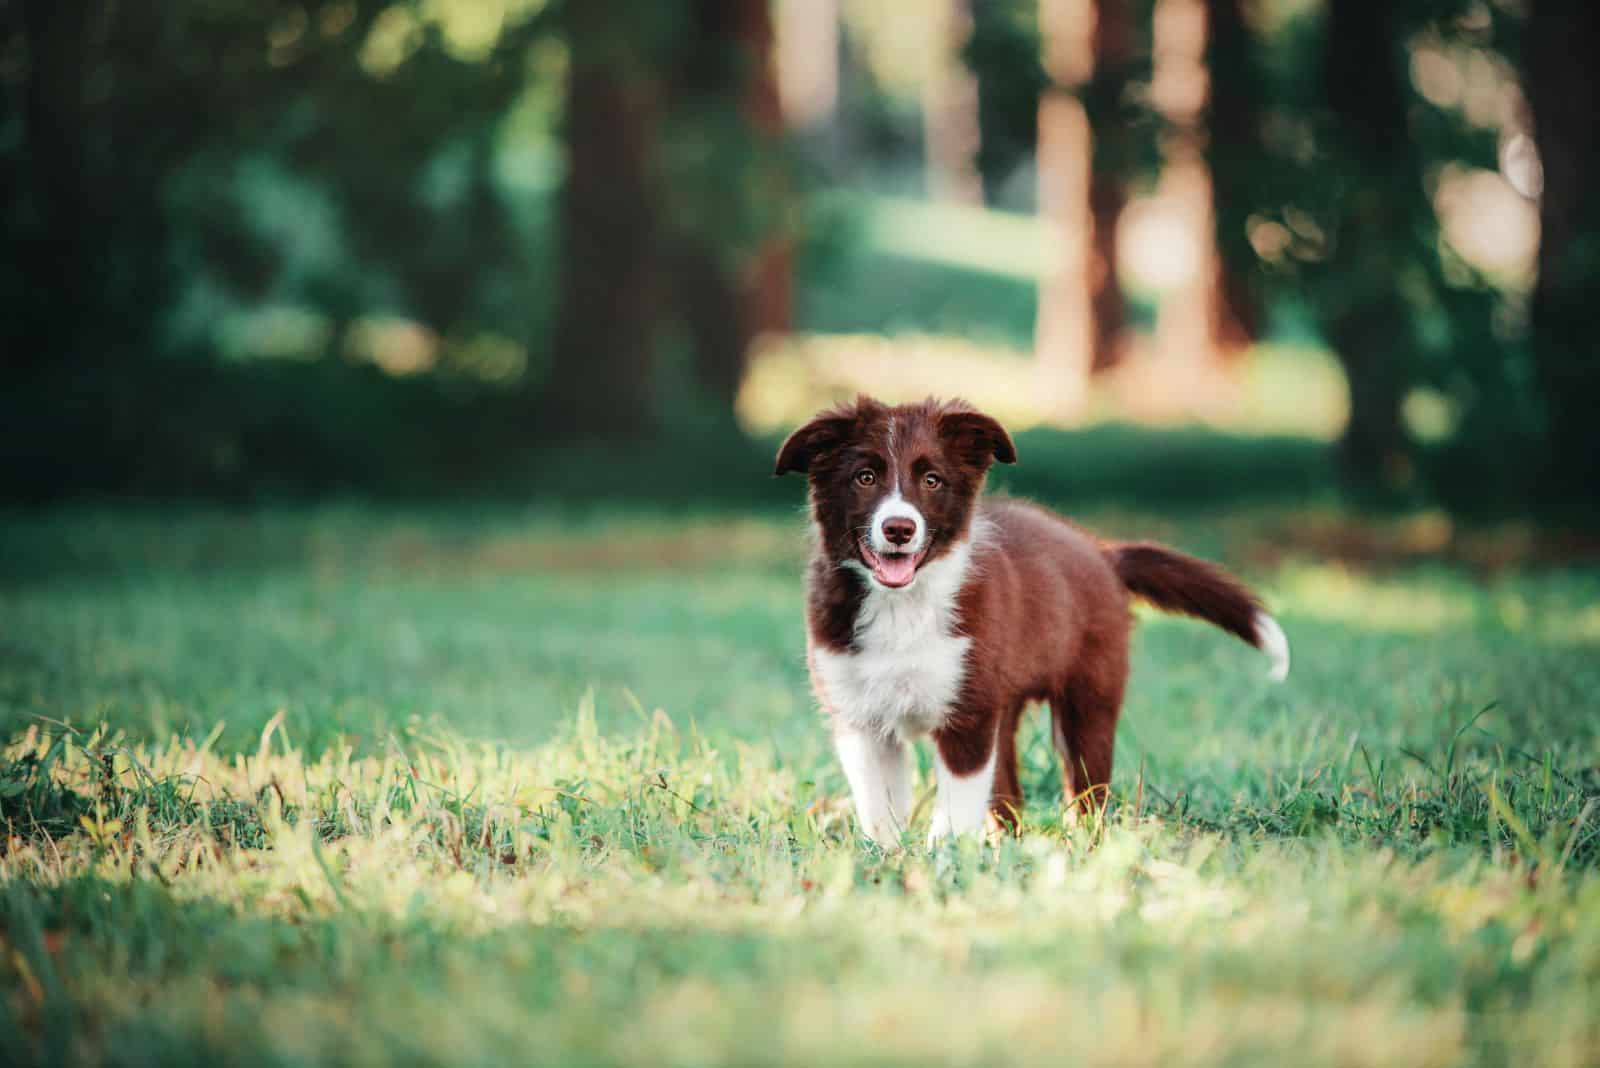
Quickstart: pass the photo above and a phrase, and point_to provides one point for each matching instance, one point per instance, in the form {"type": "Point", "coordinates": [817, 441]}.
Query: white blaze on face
{"type": "Point", "coordinates": [895, 506]}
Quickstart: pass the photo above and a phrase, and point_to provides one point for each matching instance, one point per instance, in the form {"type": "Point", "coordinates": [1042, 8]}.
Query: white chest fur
{"type": "Point", "coordinates": [909, 660]}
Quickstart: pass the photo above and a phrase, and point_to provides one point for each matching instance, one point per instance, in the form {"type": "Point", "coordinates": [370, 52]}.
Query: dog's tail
{"type": "Point", "coordinates": [1174, 582]}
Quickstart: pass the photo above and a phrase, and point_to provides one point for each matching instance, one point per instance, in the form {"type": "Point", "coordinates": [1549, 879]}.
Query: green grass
{"type": "Point", "coordinates": [496, 786]}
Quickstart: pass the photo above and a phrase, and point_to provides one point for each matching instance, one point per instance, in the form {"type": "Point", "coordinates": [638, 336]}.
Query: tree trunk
{"type": "Point", "coordinates": [601, 381]}
{"type": "Point", "coordinates": [1363, 314]}
{"type": "Point", "coordinates": [1108, 308]}
{"type": "Point", "coordinates": [1110, 166]}
{"type": "Point", "coordinates": [1235, 158]}
{"type": "Point", "coordinates": [47, 322]}
{"type": "Point", "coordinates": [806, 60]}
{"type": "Point", "coordinates": [728, 297]}
{"type": "Point", "coordinates": [1063, 327]}
{"type": "Point", "coordinates": [1082, 156]}
{"type": "Point", "coordinates": [1562, 87]}
{"type": "Point", "coordinates": [767, 285]}
{"type": "Point", "coordinates": [1198, 324]}
{"type": "Point", "coordinates": [1374, 450]}
{"type": "Point", "coordinates": [950, 114]}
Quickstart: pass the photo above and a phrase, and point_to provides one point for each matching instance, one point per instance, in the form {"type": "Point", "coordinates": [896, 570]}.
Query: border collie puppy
{"type": "Point", "coordinates": [933, 613]}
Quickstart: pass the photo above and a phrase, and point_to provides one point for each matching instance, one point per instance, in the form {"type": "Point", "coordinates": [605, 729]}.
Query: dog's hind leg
{"type": "Point", "coordinates": [1083, 721]}
{"type": "Point", "coordinates": [1060, 714]}
{"type": "Point", "coordinates": [1005, 800]}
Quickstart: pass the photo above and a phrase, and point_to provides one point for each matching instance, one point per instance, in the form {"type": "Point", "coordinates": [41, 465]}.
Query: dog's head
{"type": "Point", "coordinates": [894, 488]}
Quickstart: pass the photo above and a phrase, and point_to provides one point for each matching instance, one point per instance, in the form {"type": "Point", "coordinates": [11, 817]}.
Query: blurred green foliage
{"type": "Point", "coordinates": [1342, 171]}
{"type": "Point", "coordinates": [180, 167]}
{"type": "Point", "coordinates": [303, 244]}
{"type": "Point", "coordinates": [277, 154]}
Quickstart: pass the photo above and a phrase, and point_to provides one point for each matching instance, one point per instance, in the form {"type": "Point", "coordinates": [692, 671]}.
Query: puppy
{"type": "Point", "coordinates": [932, 613]}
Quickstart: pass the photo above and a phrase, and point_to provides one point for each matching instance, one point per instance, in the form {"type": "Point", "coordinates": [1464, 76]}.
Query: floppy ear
{"type": "Point", "coordinates": [977, 437]}
{"type": "Point", "coordinates": [804, 445]}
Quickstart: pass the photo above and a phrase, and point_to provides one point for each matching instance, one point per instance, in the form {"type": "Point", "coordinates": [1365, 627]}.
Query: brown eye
{"type": "Point", "coordinates": [864, 477]}
{"type": "Point", "coordinates": [932, 481]}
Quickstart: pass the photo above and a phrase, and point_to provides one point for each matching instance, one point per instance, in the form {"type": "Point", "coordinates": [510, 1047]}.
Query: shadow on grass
{"type": "Point", "coordinates": [250, 434]}
{"type": "Point", "coordinates": [717, 472]}
{"type": "Point", "coordinates": [887, 294]}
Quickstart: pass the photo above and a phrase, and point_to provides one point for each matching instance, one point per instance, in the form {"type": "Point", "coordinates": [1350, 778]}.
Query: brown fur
{"type": "Point", "coordinates": [1045, 604]}
{"type": "Point", "coordinates": [950, 440]}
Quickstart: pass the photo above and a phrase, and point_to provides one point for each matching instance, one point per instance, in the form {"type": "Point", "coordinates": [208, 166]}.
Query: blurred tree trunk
{"type": "Point", "coordinates": [1111, 163]}
{"type": "Point", "coordinates": [806, 59]}
{"type": "Point", "coordinates": [1083, 154]}
{"type": "Point", "coordinates": [767, 284]}
{"type": "Point", "coordinates": [1235, 158]}
{"type": "Point", "coordinates": [1363, 313]}
{"type": "Point", "coordinates": [950, 112]}
{"type": "Point", "coordinates": [1062, 330]}
{"type": "Point", "coordinates": [1195, 326]}
{"type": "Point", "coordinates": [729, 295]}
{"type": "Point", "coordinates": [1003, 52]}
{"type": "Point", "coordinates": [1563, 90]}
{"type": "Point", "coordinates": [672, 122]}
{"type": "Point", "coordinates": [54, 259]}
{"type": "Point", "coordinates": [602, 378]}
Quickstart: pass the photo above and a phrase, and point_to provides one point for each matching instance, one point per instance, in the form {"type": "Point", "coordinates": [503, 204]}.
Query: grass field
{"type": "Point", "coordinates": [493, 786]}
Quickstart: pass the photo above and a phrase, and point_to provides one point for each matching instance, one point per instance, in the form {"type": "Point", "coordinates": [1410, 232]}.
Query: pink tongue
{"type": "Point", "coordinates": [895, 570]}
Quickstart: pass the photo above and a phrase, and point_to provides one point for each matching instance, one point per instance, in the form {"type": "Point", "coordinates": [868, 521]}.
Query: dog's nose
{"type": "Point", "coordinates": [899, 531]}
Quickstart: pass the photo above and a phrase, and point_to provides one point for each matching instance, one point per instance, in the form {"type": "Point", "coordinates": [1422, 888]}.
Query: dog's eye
{"type": "Point", "coordinates": [865, 477]}
{"type": "Point", "coordinates": [932, 481]}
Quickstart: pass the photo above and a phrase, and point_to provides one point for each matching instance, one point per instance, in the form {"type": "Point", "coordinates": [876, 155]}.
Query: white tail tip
{"type": "Point", "coordinates": [1271, 640]}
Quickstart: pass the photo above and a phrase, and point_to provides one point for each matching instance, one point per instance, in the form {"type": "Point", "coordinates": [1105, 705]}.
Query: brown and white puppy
{"type": "Point", "coordinates": [932, 612]}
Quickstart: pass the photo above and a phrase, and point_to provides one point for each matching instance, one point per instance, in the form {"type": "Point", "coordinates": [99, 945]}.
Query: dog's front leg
{"type": "Point", "coordinates": [964, 760]}
{"type": "Point", "coordinates": [880, 781]}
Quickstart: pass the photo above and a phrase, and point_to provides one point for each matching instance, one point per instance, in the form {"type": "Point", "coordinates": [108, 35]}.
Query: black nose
{"type": "Point", "coordinates": [899, 531]}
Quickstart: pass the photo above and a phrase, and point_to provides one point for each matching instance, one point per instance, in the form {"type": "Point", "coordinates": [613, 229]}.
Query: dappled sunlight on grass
{"type": "Point", "coordinates": [1279, 389]}
{"type": "Point", "coordinates": [1429, 602]}
{"type": "Point", "coordinates": [560, 771]}
{"type": "Point", "coordinates": [691, 884]}
{"type": "Point", "coordinates": [1336, 594]}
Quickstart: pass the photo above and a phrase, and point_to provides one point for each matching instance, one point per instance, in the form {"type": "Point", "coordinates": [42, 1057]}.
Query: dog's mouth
{"type": "Point", "coordinates": [892, 569]}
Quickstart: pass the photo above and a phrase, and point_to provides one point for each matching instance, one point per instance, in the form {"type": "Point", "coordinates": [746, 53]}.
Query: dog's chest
{"type": "Point", "coordinates": [909, 660]}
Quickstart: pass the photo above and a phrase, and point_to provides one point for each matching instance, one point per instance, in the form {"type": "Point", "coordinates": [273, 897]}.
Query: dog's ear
{"type": "Point", "coordinates": [977, 437]}
{"type": "Point", "coordinates": [825, 432]}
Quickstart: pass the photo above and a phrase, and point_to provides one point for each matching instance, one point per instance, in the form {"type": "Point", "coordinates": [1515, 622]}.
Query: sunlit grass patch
{"type": "Point", "coordinates": [654, 896]}
{"type": "Point", "coordinates": [528, 785]}
{"type": "Point", "coordinates": [1286, 390]}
